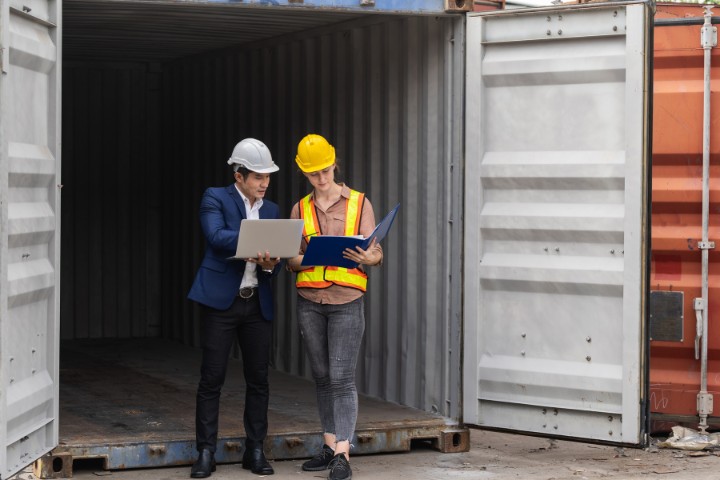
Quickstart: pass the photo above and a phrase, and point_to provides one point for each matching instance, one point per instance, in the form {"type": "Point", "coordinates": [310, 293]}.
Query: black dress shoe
{"type": "Point", "coordinates": [204, 466]}
{"type": "Point", "coordinates": [255, 461]}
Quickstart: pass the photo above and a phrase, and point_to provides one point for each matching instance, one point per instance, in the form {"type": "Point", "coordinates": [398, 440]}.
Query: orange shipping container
{"type": "Point", "coordinates": [677, 219]}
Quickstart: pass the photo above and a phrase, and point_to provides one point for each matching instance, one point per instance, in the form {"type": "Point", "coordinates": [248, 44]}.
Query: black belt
{"type": "Point", "coordinates": [247, 292]}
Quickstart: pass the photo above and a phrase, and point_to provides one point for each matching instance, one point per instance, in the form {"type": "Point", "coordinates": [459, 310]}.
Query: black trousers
{"type": "Point", "coordinates": [243, 321]}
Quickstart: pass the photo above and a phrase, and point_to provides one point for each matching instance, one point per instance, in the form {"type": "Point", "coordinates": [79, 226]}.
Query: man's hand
{"type": "Point", "coordinates": [265, 261]}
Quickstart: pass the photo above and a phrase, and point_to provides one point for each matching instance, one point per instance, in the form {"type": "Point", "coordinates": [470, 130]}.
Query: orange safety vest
{"type": "Point", "coordinates": [323, 277]}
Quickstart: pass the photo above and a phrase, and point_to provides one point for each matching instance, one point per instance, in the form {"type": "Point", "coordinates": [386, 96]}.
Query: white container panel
{"type": "Point", "coordinates": [29, 231]}
{"type": "Point", "coordinates": [555, 208]}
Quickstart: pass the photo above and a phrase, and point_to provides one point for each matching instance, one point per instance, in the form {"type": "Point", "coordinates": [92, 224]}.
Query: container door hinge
{"type": "Point", "coordinates": [708, 33]}
{"type": "Point", "coordinates": [705, 403]}
{"type": "Point", "coordinates": [699, 308]}
{"type": "Point", "coordinates": [708, 37]}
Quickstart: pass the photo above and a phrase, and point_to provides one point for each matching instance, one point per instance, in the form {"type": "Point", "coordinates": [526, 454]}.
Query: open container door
{"type": "Point", "coordinates": [29, 230]}
{"type": "Point", "coordinates": [555, 221]}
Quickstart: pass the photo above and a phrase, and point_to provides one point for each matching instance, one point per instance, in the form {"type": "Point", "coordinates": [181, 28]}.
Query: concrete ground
{"type": "Point", "coordinates": [493, 455]}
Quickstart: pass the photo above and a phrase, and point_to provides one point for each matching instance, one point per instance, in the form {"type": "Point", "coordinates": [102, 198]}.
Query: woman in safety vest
{"type": "Point", "coordinates": [330, 307]}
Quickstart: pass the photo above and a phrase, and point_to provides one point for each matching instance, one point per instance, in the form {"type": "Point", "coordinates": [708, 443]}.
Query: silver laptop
{"type": "Point", "coordinates": [280, 237]}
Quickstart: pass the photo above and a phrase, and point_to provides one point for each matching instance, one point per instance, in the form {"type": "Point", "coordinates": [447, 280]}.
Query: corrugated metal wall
{"type": "Point", "coordinates": [111, 201]}
{"type": "Point", "coordinates": [677, 213]}
{"type": "Point", "coordinates": [386, 91]}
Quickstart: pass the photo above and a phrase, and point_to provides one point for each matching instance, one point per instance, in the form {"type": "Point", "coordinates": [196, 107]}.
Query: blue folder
{"type": "Point", "coordinates": [327, 250]}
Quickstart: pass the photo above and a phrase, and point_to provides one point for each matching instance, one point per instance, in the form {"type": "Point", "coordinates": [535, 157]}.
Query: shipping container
{"type": "Point", "coordinates": [427, 106]}
{"type": "Point", "coordinates": [676, 280]}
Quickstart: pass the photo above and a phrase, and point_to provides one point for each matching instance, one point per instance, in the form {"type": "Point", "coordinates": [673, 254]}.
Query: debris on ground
{"type": "Point", "coordinates": [620, 452]}
{"type": "Point", "coordinates": [684, 438]}
{"type": "Point", "coordinates": [666, 470]}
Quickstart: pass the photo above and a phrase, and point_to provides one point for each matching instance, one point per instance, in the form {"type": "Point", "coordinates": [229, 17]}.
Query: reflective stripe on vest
{"type": "Point", "coordinates": [323, 277]}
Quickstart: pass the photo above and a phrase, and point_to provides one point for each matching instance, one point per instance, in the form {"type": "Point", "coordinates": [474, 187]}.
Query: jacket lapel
{"type": "Point", "coordinates": [264, 210]}
{"type": "Point", "coordinates": [232, 191]}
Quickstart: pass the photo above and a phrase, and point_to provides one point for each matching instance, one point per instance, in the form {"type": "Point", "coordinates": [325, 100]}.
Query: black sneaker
{"type": "Point", "coordinates": [340, 468]}
{"type": "Point", "coordinates": [321, 461]}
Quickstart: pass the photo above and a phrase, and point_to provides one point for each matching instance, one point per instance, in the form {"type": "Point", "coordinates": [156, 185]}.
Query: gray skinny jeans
{"type": "Point", "coordinates": [332, 335]}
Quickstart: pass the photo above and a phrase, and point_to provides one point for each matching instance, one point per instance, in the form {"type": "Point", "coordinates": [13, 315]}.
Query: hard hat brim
{"type": "Point", "coordinates": [271, 169]}
{"type": "Point", "coordinates": [315, 168]}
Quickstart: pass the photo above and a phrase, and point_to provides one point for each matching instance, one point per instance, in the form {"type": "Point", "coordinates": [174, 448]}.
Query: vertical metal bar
{"type": "Point", "coordinates": [4, 37]}
{"type": "Point", "coordinates": [708, 38]}
{"type": "Point", "coordinates": [4, 197]}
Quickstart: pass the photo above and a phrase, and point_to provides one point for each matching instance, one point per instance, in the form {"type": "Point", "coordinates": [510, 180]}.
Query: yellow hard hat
{"type": "Point", "coordinates": [314, 153]}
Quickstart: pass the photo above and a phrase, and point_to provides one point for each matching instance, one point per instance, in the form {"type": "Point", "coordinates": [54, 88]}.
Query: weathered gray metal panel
{"type": "Point", "coordinates": [666, 316]}
{"type": "Point", "coordinates": [556, 210]}
{"type": "Point", "coordinates": [29, 230]}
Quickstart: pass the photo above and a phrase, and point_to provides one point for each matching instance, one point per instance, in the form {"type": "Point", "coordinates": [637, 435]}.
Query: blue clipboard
{"type": "Point", "coordinates": [327, 250]}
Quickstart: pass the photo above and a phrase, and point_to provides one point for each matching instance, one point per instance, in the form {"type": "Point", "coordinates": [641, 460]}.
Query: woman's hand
{"type": "Point", "coordinates": [294, 264]}
{"type": "Point", "coordinates": [372, 256]}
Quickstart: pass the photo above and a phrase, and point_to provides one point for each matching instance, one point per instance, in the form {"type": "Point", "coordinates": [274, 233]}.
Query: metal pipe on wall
{"type": "Point", "coordinates": [681, 22]}
{"type": "Point", "coordinates": [708, 38]}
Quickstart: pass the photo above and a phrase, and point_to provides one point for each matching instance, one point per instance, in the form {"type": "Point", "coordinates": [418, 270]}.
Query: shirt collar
{"type": "Point", "coordinates": [345, 192]}
{"type": "Point", "coordinates": [258, 202]}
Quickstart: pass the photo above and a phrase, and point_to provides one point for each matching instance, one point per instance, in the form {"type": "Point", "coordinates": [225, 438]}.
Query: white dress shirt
{"type": "Point", "coordinates": [252, 213]}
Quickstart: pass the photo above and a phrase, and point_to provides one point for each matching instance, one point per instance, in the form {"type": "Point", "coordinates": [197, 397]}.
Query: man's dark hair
{"type": "Point", "coordinates": [242, 171]}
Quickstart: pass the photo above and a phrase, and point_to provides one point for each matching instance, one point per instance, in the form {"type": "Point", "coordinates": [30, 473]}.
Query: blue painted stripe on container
{"type": "Point", "coordinates": [400, 6]}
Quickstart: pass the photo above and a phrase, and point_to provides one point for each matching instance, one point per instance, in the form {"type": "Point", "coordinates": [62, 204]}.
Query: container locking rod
{"type": "Point", "coordinates": [708, 41]}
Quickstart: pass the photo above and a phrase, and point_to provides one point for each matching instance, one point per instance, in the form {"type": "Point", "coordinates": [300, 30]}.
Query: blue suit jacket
{"type": "Point", "coordinates": [218, 280]}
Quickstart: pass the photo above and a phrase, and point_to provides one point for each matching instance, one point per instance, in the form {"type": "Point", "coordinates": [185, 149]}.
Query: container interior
{"type": "Point", "coordinates": [154, 97]}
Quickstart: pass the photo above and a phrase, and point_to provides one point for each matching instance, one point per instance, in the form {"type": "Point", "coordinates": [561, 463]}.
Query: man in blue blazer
{"type": "Point", "coordinates": [237, 300]}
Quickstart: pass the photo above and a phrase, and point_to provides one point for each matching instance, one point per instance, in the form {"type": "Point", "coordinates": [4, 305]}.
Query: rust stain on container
{"type": "Point", "coordinates": [487, 5]}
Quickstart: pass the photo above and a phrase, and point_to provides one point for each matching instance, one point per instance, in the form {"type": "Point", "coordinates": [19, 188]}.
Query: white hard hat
{"type": "Point", "coordinates": [253, 155]}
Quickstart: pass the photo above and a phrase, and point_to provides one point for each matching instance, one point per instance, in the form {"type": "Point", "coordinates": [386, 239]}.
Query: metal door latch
{"type": "Point", "coordinates": [699, 308]}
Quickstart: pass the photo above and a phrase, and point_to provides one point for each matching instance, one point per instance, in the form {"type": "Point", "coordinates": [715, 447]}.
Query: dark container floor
{"type": "Point", "coordinates": [132, 404]}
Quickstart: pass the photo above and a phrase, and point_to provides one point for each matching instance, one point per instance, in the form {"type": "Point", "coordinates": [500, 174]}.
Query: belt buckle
{"type": "Point", "coordinates": [246, 292]}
